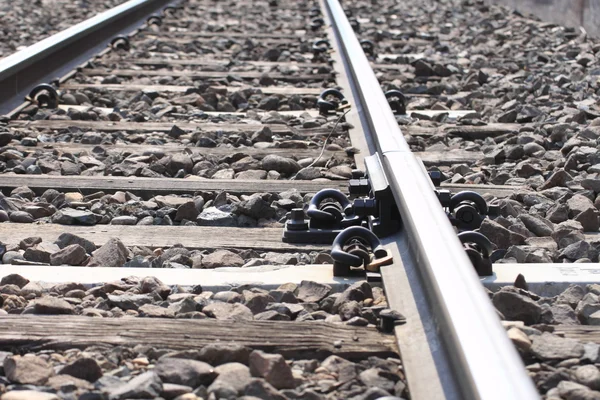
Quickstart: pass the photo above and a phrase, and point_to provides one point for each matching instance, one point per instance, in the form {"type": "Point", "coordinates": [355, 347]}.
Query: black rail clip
{"type": "Point", "coordinates": [377, 205]}
{"type": "Point", "coordinates": [316, 23]}
{"type": "Point", "coordinates": [357, 251]}
{"type": "Point", "coordinates": [397, 101]}
{"type": "Point", "coordinates": [331, 101]}
{"type": "Point", "coordinates": [44, 95]}
{"type": "Point", "coordinates": [466, 210]}
{"type": "Point", "coordinates": [478, 248]}
{"type": "Point", "coordinates": [329, 212]}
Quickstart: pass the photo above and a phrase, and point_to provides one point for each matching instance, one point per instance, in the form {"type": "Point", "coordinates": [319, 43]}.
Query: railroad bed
{"type": "Point", "coordinates": [184, 155]}
{"type": "Point", "coordinates": [184, 146]}
{"type": "Point", "coordinates": [24, 23]}
{"type": "Point", "coordinates": [530, 94]}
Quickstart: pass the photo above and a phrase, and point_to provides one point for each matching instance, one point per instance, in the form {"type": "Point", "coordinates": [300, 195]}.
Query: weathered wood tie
{"type": "Point", "coordinates": [204, 74]}
{"type": "Point", "coordinates": [184, 89]}
{"type": "Point", "coordinates": [148, 187]}
{"type": "Point", "coordinates": [210, 61]}
{"type": "Point", "coordinates": [291, 339]}
{"type": "Point", "coordinates": [191, 237]}
{"type": "Point", "coordinates": [141, 127]}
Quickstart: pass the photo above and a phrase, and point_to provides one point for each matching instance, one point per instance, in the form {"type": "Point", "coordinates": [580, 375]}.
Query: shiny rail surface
{"type": "Point", "coordinates": [484, 362]}
{"type": "Point", "coordinates": [60, 53]}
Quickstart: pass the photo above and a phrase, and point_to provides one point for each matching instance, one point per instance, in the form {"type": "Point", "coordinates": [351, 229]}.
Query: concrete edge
{"type": "Point", "coordinates": [267, 276]}
{"type": "Point", "coordinates": [544, 279]}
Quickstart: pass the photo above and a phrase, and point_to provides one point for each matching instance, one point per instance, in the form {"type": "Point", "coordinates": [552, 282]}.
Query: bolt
{"type": "Point", "coordinates": [388, 319]}
{"type": "Point", "coordinates": [296, 222]}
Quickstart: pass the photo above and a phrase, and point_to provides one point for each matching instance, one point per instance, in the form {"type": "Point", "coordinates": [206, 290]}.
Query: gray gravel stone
{"type": "Point", "coordinates": [271, 367]}
{"type": "Point", "coordinates": [112, 254]}
{"type": "Point", "coordinates": [551, 347]}
{"type": "Point", "coordinates": [146, 385]}
{"type": "Point", "coordinates": [27, 369]}
{"type": "Point", "coordinates": [185, 372]}
{"type": "Point", "coordinates": [517, 307]}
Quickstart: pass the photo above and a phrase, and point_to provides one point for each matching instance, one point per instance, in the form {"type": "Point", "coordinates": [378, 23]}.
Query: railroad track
{"type": "Point", "coordinates": [178, 155]}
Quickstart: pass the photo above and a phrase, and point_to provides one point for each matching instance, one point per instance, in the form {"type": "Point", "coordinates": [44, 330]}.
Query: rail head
{"type": "Point", "coordinates": [24, 58]}
{"type": "Point", "coordinates": [486, 364]}
{"type": "Point", "coordinates": [63, 51]}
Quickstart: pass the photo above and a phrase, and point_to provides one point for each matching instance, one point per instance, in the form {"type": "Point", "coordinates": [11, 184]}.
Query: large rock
{"type": "Point", "coordinates": [234, 375]}
{"type": "Point", "coordinates": [259, 388]}
{"type": "Point", "coordinates": [112, 254]}
{"type": "Point", "coordinates": [73, 254]}
{"type": "Point", "coordinates": [256, 302]}
{"type": "Point", "coordinates": [129, 301]}
{"type": "Point", "coordinates": [154, 311]}
{"type": "Point", "coordinates": [85, 368]}
{"type": "Point", "coordinates": [217, 354]}
{"type": "Point", "coordinates": [273, 368]}
{"type": "Point", "coordinates": [280, 164]}
{"type": "Point", "coordinates": [42, 253]}
{"type": "Point", "coordinates": [359, 291]}
{"type": "Point", "coordinates": [517, 307]}
{"type": "Point", "coordinates": [588, 375]}
{"type": "Point", "coordinates": [212, 216]}
{"type": "Point", "coordinates": [151, 284]}
{"type": "Point", "coordinates": [71, 216]}
{"type": "Point", "coordinates": [537, 225]}
{"type": "Point", "coordinates": [499, 235]}
{"type": "Point", "coordinates": [222, 258]}
{"type": "Point", "coordinates": [27, 369]}
{"type": "Point", "coordinates": [178, 162]}
{"type": "Point", "coordinates": [14, 279]}
{"type": "Point", "coordinates": [374, 377]}
{"type": "Point", "coordinates": [548, 347]}
{"type": "Point", "coordinates": [52, 306]}
{"type": "Point", "coordinates": [312, 292]}
{"type": "Point", "coordinates": [185, 372]}
{"type": "Point", "coordinates": [257, 208]}
{"type": "Point", "coordinates": [187, 210]}
{"type": "Point", "coordinates": [66, 239]}
{"type": "Point", "coordinates": [578, 204]}
{"type": "Point", "coordinates": [145, 386]}
{"type": "Point", "coordinates": [228, 311]}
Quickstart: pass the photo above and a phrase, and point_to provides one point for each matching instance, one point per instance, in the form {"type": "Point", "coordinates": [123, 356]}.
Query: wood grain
{"type": "Point", "coordinates": [499, 191]}
{"type": "Point", "coordinates": [149, 187]}
{"type": "Point", "coordinates": [153, 236]}
{"type": "Point", "coordinates": [104, 126]}
{"type": "Point", "coordinates": [184, 89]}
{"type": "Point", "coordinates": [585, 333]}
{"type": "Point", "coordinates": [256, 35]}
{"type": "Point", "coordinates": [211, 61]}
{"type": "Point", "coordinates": [429, 158]}
{"type": "Point", "coordinates": [464, 131]}
{"type": "Point", "coordinates": [291, 339]}
{"type": "Point", "coordinates": [188, 37]}
{"type": "Point", "coordinates": [261, 113]}
{"type": "Point", "coordinates": [204, 74]}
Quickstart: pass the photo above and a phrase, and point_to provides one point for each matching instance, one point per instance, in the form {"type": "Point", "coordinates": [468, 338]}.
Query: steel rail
{"type": "Point", "coordinates": [60, 53]}
{"type": "Point", "coordinates": [484, 362]}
